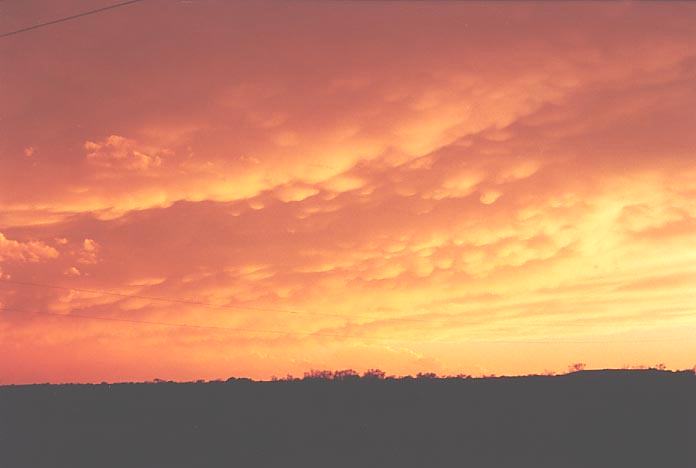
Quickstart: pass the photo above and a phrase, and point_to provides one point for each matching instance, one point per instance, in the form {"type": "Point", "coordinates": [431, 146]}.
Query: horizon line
{"type": "Point", "coordinates": [368, 376]}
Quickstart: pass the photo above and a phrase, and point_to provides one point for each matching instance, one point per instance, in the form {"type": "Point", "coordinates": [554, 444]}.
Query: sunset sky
{"type": "Point", "coordinates": [445, 187]}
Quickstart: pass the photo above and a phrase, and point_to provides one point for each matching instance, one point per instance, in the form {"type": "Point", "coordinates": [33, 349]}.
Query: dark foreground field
{"type": "Point", "coordinates": [586, 419]}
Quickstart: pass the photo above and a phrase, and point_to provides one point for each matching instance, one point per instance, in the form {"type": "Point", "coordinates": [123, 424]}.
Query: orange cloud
{"type": "Point", "coordinates": [118, 152]}
{"type": "Point", "coordinates": [459, 188]}
{"type": "Point", "coordinates": [31, 251]}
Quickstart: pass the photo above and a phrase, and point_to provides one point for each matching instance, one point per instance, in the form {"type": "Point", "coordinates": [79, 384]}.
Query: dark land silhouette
{"type": "Point", "coordinates": [586, 419]}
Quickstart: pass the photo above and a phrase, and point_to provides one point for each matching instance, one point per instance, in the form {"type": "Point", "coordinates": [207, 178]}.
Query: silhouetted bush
{"type": "Point", "coordinates": [318, 375]}
{"type": "Point", "coordinates": [347, 374]}
{"type": "Point", "coordinates": [426, 375]}
{"type": "Point", "coordinates": [374, 374]}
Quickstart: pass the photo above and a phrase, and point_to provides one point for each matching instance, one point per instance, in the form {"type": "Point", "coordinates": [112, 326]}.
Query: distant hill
{"type": "Point", "coordinates": [588, 419]}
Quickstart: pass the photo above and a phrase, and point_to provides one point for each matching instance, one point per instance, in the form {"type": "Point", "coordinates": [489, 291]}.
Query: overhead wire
{"type": "Point", "coordinates": [73, 315]}
{"type": "Point", "coordinates": [208, 304]}
{"type": "Point", "coordinates": [69, 18]}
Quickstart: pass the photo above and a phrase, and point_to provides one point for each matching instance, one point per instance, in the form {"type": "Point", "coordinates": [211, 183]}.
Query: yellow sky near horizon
{"type": "Point", "coordinates": [447, 187]}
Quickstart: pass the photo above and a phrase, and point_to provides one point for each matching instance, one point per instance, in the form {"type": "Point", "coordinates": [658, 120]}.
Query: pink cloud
{"type": "Point", "coordinates": [30, 251]}
{"type": "Point", "coordinates": [497, 173]}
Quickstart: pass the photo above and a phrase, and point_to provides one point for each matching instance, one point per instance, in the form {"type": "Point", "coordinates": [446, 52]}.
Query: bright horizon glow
{"type": "Point", "coordinates": [417, 187]}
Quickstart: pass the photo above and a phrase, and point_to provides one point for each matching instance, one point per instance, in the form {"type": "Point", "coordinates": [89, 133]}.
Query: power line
{"type": "Point", "coordinates": [332, 335]}
{"type": "Point", "coordinates": [211, 327]}
{"type": "Point", "coordinates": [170, 324]}
{"type": "Point", "coordinates": [207, 304]}
{"type": "Point", "coordinates": [69, 18]}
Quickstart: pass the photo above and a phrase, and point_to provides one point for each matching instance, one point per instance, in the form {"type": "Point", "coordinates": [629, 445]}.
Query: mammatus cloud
{"type": "Point", "coordinates": [501, 183]}
{"type": "Point", "coordinates": [117, 152]}
{"type": "Point", "coordinates": [30, 251]}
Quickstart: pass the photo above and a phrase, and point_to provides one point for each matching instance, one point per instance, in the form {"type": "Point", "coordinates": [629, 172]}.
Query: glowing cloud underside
{"type": "Point", "coordinates": [418, 187]}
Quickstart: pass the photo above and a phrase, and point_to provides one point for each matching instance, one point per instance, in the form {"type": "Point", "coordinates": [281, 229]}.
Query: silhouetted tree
{"type": "Point", "coordinates": [374, 374]}
{"type": "Point", "coordinates": [318, 375]}
{"type": "Point", "coordinates": [347, 374]}
{"type": "Point", "coordinates": [577, 367]}
{"type": "Point", "coordinates": [426, 375]}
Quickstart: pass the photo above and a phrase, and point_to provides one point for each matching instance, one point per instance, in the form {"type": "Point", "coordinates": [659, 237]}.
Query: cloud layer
{"type": "Point", "coordinates": [418, 187]}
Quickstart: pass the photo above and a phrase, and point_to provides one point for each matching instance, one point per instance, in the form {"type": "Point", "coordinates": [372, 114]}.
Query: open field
{"type": "Point", "coordinates": [585, 419]}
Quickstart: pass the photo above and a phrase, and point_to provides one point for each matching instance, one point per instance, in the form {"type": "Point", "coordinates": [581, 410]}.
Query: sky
{"type": "Point", "coordinates": [205, 189]}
